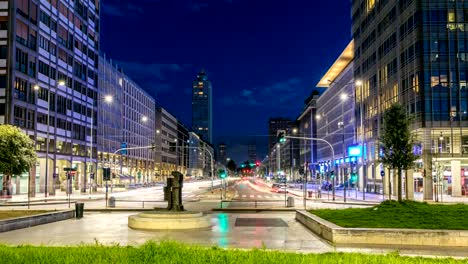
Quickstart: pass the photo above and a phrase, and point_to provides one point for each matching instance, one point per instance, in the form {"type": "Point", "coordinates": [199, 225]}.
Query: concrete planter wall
{"type": "Point", "coordinates": [34, 220]}
{"type": "Point", "coordinates": [383, 237]}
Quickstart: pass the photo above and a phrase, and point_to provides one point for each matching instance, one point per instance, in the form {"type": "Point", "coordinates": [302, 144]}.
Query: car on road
{"type": "Point", "coordinates": [278, 188]}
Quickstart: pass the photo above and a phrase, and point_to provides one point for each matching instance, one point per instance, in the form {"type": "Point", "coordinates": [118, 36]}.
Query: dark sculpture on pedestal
{"type": "Point", "coordinates": [174, 217]}
{"type": "Point", "coordinates": [173, 192]}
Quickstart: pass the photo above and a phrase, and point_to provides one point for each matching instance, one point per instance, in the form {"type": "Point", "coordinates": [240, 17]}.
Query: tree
{"type": "Point", "coordinates": [397, 142]}
{"type": "Point", "coordinates": [231, 165]}
{"type": "Point", "coordinates": [17, 155]}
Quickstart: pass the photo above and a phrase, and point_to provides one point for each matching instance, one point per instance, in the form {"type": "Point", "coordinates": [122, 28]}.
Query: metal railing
{"type": "Point", "coordinates": [140, 201]}
{"type": "Point", "coordinates": [249, 201]}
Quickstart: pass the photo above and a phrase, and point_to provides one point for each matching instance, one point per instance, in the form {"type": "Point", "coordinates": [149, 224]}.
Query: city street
{"type": "Point", "coordinates": [136, 198]}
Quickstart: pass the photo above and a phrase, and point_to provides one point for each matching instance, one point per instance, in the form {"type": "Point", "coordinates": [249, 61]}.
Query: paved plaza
{"type": "Point", "coordinates": [269, 230]}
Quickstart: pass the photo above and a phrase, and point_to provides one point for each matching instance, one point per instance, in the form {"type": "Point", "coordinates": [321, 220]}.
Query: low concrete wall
{"type": "Point", "coordinates": [383, 237]}
{"type": "Point", "coordinates": [34, 220]}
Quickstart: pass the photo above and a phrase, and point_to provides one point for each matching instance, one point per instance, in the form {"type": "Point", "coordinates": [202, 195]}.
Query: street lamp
{"type": "Point", "coordinates": [343, 98]}
{"type": "Point", "coordinates": [144, 119]}
{"type": "Point", "coordinates": [107, 99]}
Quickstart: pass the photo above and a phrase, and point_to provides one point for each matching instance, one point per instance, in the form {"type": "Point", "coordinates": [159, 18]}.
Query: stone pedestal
{"type": "Point", "coordinates": [167, 220]}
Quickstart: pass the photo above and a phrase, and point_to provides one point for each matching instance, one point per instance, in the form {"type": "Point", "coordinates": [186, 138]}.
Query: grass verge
{"type": "Point", "coordinates": [14, 214]}
{"type": "Point", "coordinates": [407, 214]}
{"type": "Point", "coordinates": [170, 252]}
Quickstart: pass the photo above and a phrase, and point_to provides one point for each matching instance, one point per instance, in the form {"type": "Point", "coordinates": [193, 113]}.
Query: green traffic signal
{"type": "Point", "coordinates": [280, 138]}
{"type": "Point", "coordinates": [353, 177]}
{"type": "Point", "coordinates": [332, 174]}
{"type": "Point", "coordinates": [222, 174]}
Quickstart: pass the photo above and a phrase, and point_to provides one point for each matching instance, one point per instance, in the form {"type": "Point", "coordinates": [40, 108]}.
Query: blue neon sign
{"type": "Point", "coordinates": [355, 151]}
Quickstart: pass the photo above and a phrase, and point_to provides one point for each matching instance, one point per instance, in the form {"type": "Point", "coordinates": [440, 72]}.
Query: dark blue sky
{"type": "Point", "coordinates": [263, 57]}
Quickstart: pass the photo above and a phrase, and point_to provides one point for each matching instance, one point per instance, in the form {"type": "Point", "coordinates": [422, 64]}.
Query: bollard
{"type": "Point", "coordinates": [112, 202]}
{"type": "Point", "coordinates": [79, 208]}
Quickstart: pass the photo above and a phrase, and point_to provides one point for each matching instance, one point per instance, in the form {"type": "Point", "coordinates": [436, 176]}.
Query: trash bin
{"type": "Point", "coordinates": [309, 194]}
{"type": "Point", "coordinates": [112, 202]}
{"type": "Point", "coordinates": [79, 208]}
{"type": "Point", "coordinates": [290, 202]}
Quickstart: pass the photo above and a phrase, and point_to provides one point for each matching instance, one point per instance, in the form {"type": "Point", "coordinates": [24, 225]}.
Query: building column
{"type": "Point", "coordinates": [386, 180]}
{"type": "Point", "coordinates": [427, 167]}
{"type": "Point", "coordinates": [43, 173]}
{"type": "Point", "coordinates": [409, 179]}
{"type": "Point", "coordinates": [456, 178]}
{"type": "Point", "coordinates": [32, 181]}
{"type": "Point", "coordinates": [395, 182]}
{"type": "Point", "coordinates": [361, 178]}
{"type": "Point", "coordinates": [18, 184]}
{"type": "Point", "coordinates": [370, 172]}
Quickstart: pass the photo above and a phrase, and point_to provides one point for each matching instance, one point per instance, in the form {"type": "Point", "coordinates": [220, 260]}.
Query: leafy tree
{"type": "Point", "coordinates": [17, 155]}
{"type": "Point", "coordinates": [397, 142]}
{"type": "Point", "coordinates": [231, 165]}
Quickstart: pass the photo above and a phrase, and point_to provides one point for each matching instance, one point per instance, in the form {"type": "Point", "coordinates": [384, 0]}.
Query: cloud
{"type": "Point", "coordinates": [195, 6]}
{"type": "Point", "coordinates": [150, 76]}
{"type": "Point", "coordinates": [246, 92]}
{"type": "Point", "coordinates": [282, 94]}
{"type": "Point", "coordinates": [122, 10]}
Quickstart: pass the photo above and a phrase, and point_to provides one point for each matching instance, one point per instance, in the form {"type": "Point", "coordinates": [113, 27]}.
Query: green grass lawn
{"type": "Point", "coordinates": [14, 214]}
{"type": "Point", "coordinates": [168, 252]}
{"type": "Point", "coordinates": [401, 215]}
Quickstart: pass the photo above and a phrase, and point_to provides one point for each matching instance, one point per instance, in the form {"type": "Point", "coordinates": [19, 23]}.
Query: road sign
{"type": "Point", "coordinates": [69, 169]}
{"type": "Point", "coordinates": [382, 173]}
{"type": "Point", "coordinates": [123, 146]}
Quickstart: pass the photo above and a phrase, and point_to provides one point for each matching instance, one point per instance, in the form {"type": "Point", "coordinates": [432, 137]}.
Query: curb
{"type": "Point", "coordinates": [352, 203]}
{"type": "Point", "coordinates": [240, 209]}
{"type": "Point", "coordinates": [109, 210]}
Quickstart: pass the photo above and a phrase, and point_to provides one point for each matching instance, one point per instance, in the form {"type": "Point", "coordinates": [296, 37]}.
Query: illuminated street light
{"type": "Point", "coordinates": [108, 99]}
{"type": "Point", "coordinates": [343, 97]}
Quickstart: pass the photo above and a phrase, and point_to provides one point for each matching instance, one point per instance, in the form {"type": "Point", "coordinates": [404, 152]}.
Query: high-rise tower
{"type": "Point", "coordinates": [202, 107]}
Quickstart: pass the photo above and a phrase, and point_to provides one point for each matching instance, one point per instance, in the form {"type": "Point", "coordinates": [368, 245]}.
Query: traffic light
{"type": "Point", "coordinates": [153, 146]}
{"type": "Point", "coordinates": [106, 175]}
{"type": "Point", "coordinates": [222, 174]}
{"type": "Point", "coordinates": [332, 174]}
{"type": "Point", "coordinates": [353, 177]}
{"type": "Point", "coordinates": [257, 163]}
{"type": "Point", "coordinates": [280, 137]}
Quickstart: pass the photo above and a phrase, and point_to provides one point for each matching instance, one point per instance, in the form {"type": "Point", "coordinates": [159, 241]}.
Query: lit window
{"type": "Point", "coordinates": [370, 5]}
{"type": "Point", "coordinates": [200, 93]}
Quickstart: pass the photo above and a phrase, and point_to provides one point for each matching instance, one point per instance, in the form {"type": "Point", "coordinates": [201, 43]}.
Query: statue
{"type": "Point", "coordinates": [174, 217]}
{"type": "Point", "coordinates": [173, 192]}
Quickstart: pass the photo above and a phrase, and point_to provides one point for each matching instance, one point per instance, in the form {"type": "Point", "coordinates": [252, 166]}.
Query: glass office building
{"type": "Point", "coordinates": [415, 52]}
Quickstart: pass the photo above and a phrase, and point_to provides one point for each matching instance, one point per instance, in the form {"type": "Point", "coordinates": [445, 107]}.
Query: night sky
{"type": "Point", "coordinates": [263, 57]}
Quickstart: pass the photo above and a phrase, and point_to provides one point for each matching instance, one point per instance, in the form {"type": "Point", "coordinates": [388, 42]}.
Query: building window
{"type": "Point", "coordinates": [21, 61]}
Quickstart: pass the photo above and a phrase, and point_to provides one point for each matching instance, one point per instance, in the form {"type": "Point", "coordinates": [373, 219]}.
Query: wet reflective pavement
{"type": "Point", "coordinates": [111, 228]}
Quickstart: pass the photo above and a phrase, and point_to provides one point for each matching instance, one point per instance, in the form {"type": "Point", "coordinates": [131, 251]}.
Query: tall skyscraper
{"type": "Point", "coordinates": [415, 53]}
{"type": "Point", "coordinates": [275, 124]}
{"type": "Point", "coordinates": [252, 152]}
{"type": "Point", "coordinates": [222, 156]}
{"type": "Point", "coordinates": [202, 107]}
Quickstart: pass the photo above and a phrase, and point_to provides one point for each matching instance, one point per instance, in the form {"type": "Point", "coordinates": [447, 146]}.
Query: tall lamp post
{"type": "Point", "coordinates": [108, 99]}
{"type": "Point", "coordinates": [343, 98]}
